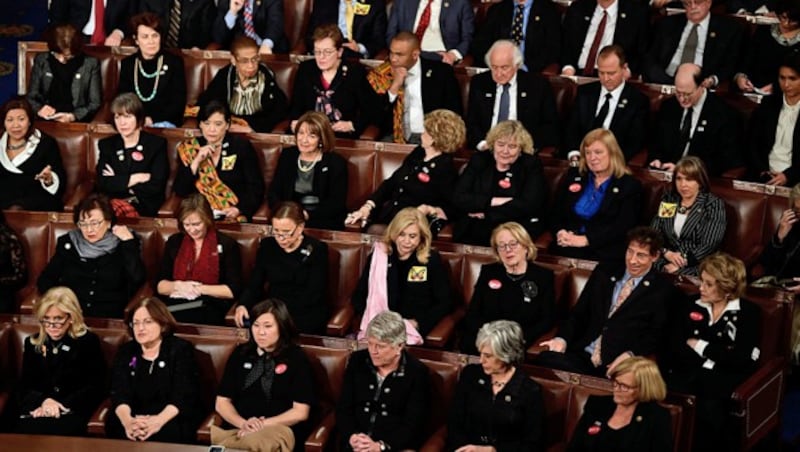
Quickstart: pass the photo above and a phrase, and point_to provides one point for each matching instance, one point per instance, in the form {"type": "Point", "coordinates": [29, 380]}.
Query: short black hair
{"type": "Point", "coordinates": [646, 236]}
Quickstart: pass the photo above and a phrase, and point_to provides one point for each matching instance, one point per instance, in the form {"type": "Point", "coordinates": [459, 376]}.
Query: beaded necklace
{"type": "Point", "coordinates": [157, 75]}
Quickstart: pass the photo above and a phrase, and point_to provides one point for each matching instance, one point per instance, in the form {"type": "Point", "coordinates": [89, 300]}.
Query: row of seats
{"type": "Point", "coordinates": [753, 210]}
{"type": "Point", "coordinates": [758, 399]}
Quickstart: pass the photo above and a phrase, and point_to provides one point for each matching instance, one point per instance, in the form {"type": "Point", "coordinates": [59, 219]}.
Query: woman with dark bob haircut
{"type": "Point", "coordinates": [100, 261]}
{"type": "Point", "coordinates": [311, 174]}
{"type": "Point", "coordinates": [266, 396]}
{"type": "Point", "coordinates": [154, 380]}
{"type": "Point", "coordinates": [32, 176]}
{"type": "Point", "coordinates": [65, 83]}
{"type": "Point", "coordinates": [201, 271]}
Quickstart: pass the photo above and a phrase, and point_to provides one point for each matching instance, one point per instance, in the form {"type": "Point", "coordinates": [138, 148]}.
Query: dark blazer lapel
{"type": "Point", "coordinates": [622, 104]}
{"type": "Point", "coordinates": [712, 54]}
{"type": "Point", "coordinates": [612, 192]}
{"type": "Point", "coordinates": [639, 292]}
{"type": "Point", "coordinates": [693, 220]}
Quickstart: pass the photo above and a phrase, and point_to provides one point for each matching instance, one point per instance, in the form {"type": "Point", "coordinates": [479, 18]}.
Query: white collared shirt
{"type": "Point", "coordinates": [432, 38]}
{"type": "Point", "coordinates": [414, 114]}
{"type": "Point", "coordinates": [512, 99]}
{"type": "Point", "coordinates": [702, 34]}
{"type": "Point", "coordinates": [608, 33]}
{"type": "Point", "coordinates": [613, 102]}
{"type": "Point", "coordinates": [780, 157]}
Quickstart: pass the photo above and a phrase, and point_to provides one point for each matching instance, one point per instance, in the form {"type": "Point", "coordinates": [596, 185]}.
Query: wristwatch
{"type": "Point", "coordinates": [384, 447]}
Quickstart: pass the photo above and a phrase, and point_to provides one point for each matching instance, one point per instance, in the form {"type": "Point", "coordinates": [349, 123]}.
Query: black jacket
{"type": "Point", "coordinates": [23, 190]}
{"type": "Point", "coordinates": [197, 20]}
{"type": "Point", "coordinates": [650, 429]}
{"type": "Point", "coordinates": [763, 125]}
{"type": "Point", "coordinates": [267, 21]}
{"type": "Point", "coordinates": [369, 28]}
{"type": "Point", "coordinates": [170, 98]}
{"type": "Point", "coordinates": [77, 13]}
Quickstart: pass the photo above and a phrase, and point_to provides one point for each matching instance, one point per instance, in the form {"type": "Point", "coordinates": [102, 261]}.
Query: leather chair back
{"type": "Point", "coordinates": [328, 365]}
{"type": "Point", "coordinates": [360, 175]}
{"type": "Point", "coordinates": [443, 378]}
{"type": "Point", "coordinates": [745, 213]}
{"type": "Point", "coordinates": [295, 20]}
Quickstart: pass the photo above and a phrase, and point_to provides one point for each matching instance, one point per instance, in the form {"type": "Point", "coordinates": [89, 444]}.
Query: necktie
{"type": "Point", "coordinates": [505, 102]}
{"type": "Point", "coordinates": [249, 28]}
{"type": "Point", "coordinates": [99, 35]}
{"type": "Point", "coordinates": [601, 115]}
{"type": "Point", "coordinates": [588, 68]}
{"type": "Point", "coordinates": [516, 24]}
{"type": "Point", "coordinates": [690, 47]}
{"type": "Point", "coordinates": [424, 21]}
{"type": "Point", "coordinates": [626, 290]}
{"type": "Point", "coordinates": [398, 118]}
{"type": "Point", "coordinates": [349, 13]}
{"type": "Point", "coordinates": [174, 24]}
{"type": "Point", "coordinates": [686, 130]}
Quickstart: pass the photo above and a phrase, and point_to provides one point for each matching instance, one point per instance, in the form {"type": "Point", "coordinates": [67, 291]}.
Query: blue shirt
{"type": "Point", "coordinates": [591, 199]}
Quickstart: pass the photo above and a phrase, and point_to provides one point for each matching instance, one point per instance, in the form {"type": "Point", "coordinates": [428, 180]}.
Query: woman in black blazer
{"type": "Point", "coordinates": [332, 86]}
{"type": "Point", "coordinates": [132, 168]}
{"type": "Point", "coordinates": [154, 380]}
{"type": "Point", "coordinates": [156, 77]}
{"type": "Point", "coordinates": [630, 421]}
{"type": "Point", "coordinates": [597, 203]}
{"type": "Point", "coordinates": [504, 184]}
{"type": "Point", "coordinates": [691, 220]}
{"type": "Point", "coordinates": [312, 175]}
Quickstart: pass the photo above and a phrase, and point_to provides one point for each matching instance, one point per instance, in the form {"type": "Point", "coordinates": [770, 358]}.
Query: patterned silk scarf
{"type": "Point", "coordinates": [380, 78]}
{"type": "Point", "coordinates": [325, 106]}
{"type": "Point", "coordinates": [208, 183]}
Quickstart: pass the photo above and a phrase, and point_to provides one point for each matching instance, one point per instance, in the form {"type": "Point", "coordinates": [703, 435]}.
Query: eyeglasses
{"type": "Point", "coordinates": [510, 246]}
{"type": "Point", "coordinates": [622, 387]}
{"type": "Point", "coordinates": [138, 323]}
{"type": "Point", "coordinates": [55, 322]}
{"type": "Point", "coordinates": [253, 60]}
{"type": "Point", "coordinates": [324, 52]}
{"type": "Point", "coordinates": [284, 235]}
{"type": "Point", "coordinates": [90, 224]}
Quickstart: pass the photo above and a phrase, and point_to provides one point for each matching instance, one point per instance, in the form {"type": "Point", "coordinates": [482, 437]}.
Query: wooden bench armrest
{"type": "Point", "coordinates": [318, 440]}
{"type": "Point", "coordinates": [442, 333]}
{"type": "Point", "coordinates": [339, 323]}
{"type": "Point", "coordinates": [97, 423]}
{"type": "Point", "coordinates": [204, 430]}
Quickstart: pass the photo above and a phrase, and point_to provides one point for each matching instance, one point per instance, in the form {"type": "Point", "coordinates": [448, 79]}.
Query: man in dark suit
{"type": "Point", "coordinates": [626, 113]}
{"type": "Point", "coordinates": [590, 25]}
{"type": "Point", "coordinates": [708, 40]}
{"type": "Point", "coordinates": [367, 34]}
{"type": "Point", "coordinates": [193, 20]}
{"type": "Point", "coordinates": [261, 20]}
{"type": "Point", "coordinates": [449, 40]}
{"type": "Point", "coordinates": [695, 122]}
{"type": "Point", "coordinates": [534, 26]}
{"type": "Point", "coordinates": [621, 312]}
{"type": "Point", "coordinates": [408, 86]}
{"type": "Point", "coordinates": [81, 14]}
{"type": "Point", "coordinates": [528, 98]}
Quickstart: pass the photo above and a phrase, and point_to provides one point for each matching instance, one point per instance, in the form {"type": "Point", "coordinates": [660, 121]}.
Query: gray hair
{"type": "Point", "coordinates": [505, 338]}
{"type": "Point", "coordinates": [794, 195]}
{"type": "Point", "coordinates": [518, 58]}
{"type": "Point", "coordinates": [388, 327]}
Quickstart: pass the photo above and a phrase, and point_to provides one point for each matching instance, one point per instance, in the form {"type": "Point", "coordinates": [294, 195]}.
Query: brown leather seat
{"type": "Point", "coordinates": [295, 21]}
{"type": "Point", "coordinates": [745, 214]}
{"type": "Point", "coordinates": [361, 178]}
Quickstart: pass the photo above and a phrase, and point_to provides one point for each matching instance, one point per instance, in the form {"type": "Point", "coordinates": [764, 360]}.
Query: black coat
{"type": "Point", "coordinates": [763, 125]}
{"type": "Point", "coordinates": [268, 21]}
{"type": "Point", "coordinates": [369, 29]}
{"type": "Point", "coordinates": [764, 56]}
{"type": "Point", "coordinates": [197, 20]}
{"type": "Point", "coordinates": [782, 259]}
{"type": "Point", "coordinates": [148, 156]}
{"type": "Point", "coordinates": [78, 12]}
{"type": "Point", "coordinates": [170, 99]}
{"type": "Point", "coordinates": [86, 86]}
{"type": "Point", "coordinates": [23, 190]}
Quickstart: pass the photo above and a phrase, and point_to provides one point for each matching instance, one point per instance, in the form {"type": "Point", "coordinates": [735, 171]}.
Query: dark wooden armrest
{"type": "Point", "coordinates": [547, 151]}
{"type": "Point", "coordinates": [230, 317]}
{"type": "Point", "coordinates": [467, 61]}
{"type": "Point", "coordinates": [442, 333]}
{"type": "Point", "coordinates": [353, 227]}
{"type": "Point", "coordinates": [544, 240]}
{"type": "Point", "coordinates": [735, 173]}
{"type": "Point", "coordinates": [28, 299]}
{"type": "Point", "coordinates": [97, 423]}
{"type": "Point", "coordinates": [639, 159]}
{"type": "Point", "coordinates": [534, 350]}
{"type": "Point", "coordinates": [339, 323]}
{"type": "Point", "coordinates": [282, 127]}
{"type": "Point", "coordinates": [214, 46]}
{"type": "Point", "coordinates": [551, 69]}
{"type": "Point", "coordinates": [319, 437]}
{"type": "Point", "coordinates": [757, 401]}
{"type": "Point", "coordinates": [446, 234]}
{"type": "Point", "coordinates": [204, 431]}
{"type": "Point", "coordinates": [372, 133]}
{"type": "Point", "coordinates": [436, 441]}
{"type": "Point", "coordinates": [190, 123]}
{"type": "Point", "coordinates": [170, 206]}
{"type": "Point", "coordinates": [262, 215]}
{"type": "Point", "coordinates": [81, 191]}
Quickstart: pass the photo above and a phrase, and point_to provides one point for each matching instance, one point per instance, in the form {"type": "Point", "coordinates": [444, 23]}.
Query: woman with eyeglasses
{"type": "Point", "coordinates": [63, 370]}
{"type": "Point", "coordinates": [294, 268]}
{"type": "Point", "coordinates": [631, 420]}
{"type": "Point", "coordinates": [332, 86]}
{"type": "Point", "coordinates": [201, 272]}
{"type": "Point", "coordinates": [513, 288]}
{"type": "Point", "coordinates": [100, 261]}
{"type": "Point", "coordinates": [154, 380]}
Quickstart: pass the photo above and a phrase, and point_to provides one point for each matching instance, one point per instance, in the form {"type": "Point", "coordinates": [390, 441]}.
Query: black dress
{"type": "Point", "coordinates": [72, 372]}
{"type": "Point", "coordinates": [13, 268]}
{"type": "Point", "coordinates": [17, 184]}
{"type": "Point", "coordinates": [169, 100]}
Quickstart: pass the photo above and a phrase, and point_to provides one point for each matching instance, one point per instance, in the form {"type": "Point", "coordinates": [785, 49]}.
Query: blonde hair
{"type": "Point", "coordinates": [520, 235]}
{"type": "Point", "coordinates": [447, 130]}
{"type": "Point", "coordinates": [513, 130]}
{"type": "Point", "coordinates": [617, 159]}
{"type": "Point", "coordinates": [728, 271]}
{"type": "Point", "coordinates": [64, 299]}
{"type": "Point", "coordinates": [648, 378]}
{"type": "Point", "coordinates": [794, 195]}
{"type": "Point", "coordinates": [404, 219]}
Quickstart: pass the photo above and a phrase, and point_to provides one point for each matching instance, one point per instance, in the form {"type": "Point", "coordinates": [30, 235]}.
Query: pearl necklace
{"type": "Point", "coordinates": [157, 74]}
{"type": "Point", "coordinates": [306, 167]}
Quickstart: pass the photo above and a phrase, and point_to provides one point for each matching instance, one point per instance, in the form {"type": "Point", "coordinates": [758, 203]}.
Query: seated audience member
{"type": "Point", "coordinates": [259, 20]}
{"type": "Point", "coordinates": [154, 380]}
{"type": "Point", "coordinates": [631, 420]}
{"type": "Point", "coordinates": [155, 76]}
{"type": "Point", "coordinates": [408, 87]}
{"type": "Point", "coordinates": [266, 396]}
{"type": "Point", "coordinates": [621, 312]}
{"type": "Point", "coordinates": [32, 176]}
{"type": "Point", "coordinates": [65, 83]}
{"type": "Point", "coordinates": [591, 25]}
{"type": "Point", "coordinates": [513, 288]}
{"type": "Point", "coordinates": [690, 218]}
{"type": "Point", "coordinates": [13, 269]}
{"type": "Point", "coordinates": [476, 421]}
{"type": "Point", "coordinates": [507, 92]}
{"type": "Point", "coordinates": [504, 184]}
{"type": "Point", "coordinates": [100, 261]}
{"type": "Point", "coordinates": [714, 348]}
{"type": "Point", "coordinates": [193, 21]}
{"type": "Point", "coordinates": [710, 41]}
{"type": "Point", "coordinates": [220, 166]}
{"type": "Point", "coordinates": [108, 28]}
{"type": "Point", "coordinates": [774, 156]}
{"type": "Point", "coordinates": [597, 203]}
{"type": "Point", "coordinates": [363, 25]}
{"type": "Point", "coordinates": [425, 179]}
{"type": "Point", "coordinates": [781, 257]}
{"type": "Point", "coordinates": [201, 272]}
{"type": "Point", "coordinates": [695, 122]}
{"type": "Point", "coordinates": [405, 275]}
{"type": "Point", "coordinates": [294, 268]}
{"type": "Point", "coordinates": [249, 89]}
{"type": "Point", "coordinates": [533, 26]}
{"type": "Point", "coordinates": [132, 167]}
{"type": "Point", "coordinates": [333, 86]}
{"type": "Point", "coordinates": [610, 103]}
{"type": "Point", "coordinates": [312, 174]}
{"type": "Point", "coordinates": [446, 39]}
{"type": "Point", "coordinates": [63, 370]}
{"type": "Point", "coordinates": [768, 48]}
{"type": "Point", "coordinates": [394, 417]}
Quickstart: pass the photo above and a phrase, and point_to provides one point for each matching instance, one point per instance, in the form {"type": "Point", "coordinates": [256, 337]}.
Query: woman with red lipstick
{"type": "Point", "coordinates": [201, 271]}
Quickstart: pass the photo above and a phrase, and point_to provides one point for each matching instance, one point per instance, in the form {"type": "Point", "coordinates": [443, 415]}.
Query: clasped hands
{"type": "Point", "coordinates": [566, 238]}
{"type": "Point", "coordinates": [50, 408]}
{"type": "Point", "coordinates": [141, 427]}
{"type": "Point", "coordinates": [361, 442]}
{"type": "Point", "coordinates": [252, 425]}
{"type": "Point", "coordinates": [188, 290]}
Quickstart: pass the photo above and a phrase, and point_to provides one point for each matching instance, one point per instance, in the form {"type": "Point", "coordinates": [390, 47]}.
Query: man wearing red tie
{"type": "Point", "coordinates": [443, 27]}
{"type": "Point", "coordinates": [102, 22]}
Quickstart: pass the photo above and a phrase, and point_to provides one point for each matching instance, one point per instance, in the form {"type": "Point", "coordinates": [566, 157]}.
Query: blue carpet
{"type": "Point", "coordinates": [21, 20]}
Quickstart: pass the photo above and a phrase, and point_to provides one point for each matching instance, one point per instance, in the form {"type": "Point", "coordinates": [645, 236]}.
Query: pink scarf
{"type": "Point", "coordinates": [377, 297]}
